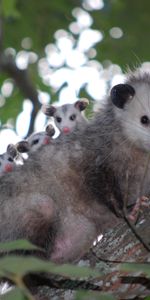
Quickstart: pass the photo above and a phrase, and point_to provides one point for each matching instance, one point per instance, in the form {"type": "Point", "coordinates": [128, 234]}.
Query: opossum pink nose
{"type": "Point", "coordinates": [8, 168]}
{"type": "Point", "coordinates": [66, 130]}
{"type": "Point", "coordinates": [46, 140]}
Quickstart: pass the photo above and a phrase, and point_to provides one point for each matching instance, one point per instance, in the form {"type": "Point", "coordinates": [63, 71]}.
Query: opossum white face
{"type": "Point", "coordinates": [36, 140]}
{"type": "Point", "coordinates": [132, 108]}
{"type": "Point", "coordinates": [67, 116]}
{"type": "Point", "coordinates": [7, 160]}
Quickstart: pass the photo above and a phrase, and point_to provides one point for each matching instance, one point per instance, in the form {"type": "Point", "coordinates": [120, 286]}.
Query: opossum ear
{"type": "Point", "coordinates": [11, 150]}
{"type": "Point", "coordinates": [120, 93]}
{"type": "Point", "coordinates": [48, 110]}
{"type": "Point", "coordinates": [23, 146]}
{"type": "Point", "coordinates": [50, 130]}
{"type": "Point", "coordinates": [81, 104]}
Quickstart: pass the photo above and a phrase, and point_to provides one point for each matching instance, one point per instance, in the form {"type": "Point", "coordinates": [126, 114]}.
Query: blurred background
{"type": "Point", "coordinates": [59, 51]}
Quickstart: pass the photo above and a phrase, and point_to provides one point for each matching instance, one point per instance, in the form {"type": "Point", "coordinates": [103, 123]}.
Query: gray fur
{"type": "Point", "coordinates": [62, 115]}
{"type": "Point", "coordinates": [36, 140]}
{"type": "Point", "coordinates": [64, 195]}
{"type": "Point", "coordinates": [7, 159]}
{"type": "Point", "coordinates": [122, 144]}
{"type": "Point", "coordinates": [58, 214]}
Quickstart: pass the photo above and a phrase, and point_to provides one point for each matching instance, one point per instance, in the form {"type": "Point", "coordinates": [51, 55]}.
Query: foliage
{"type": "Point", "coordinates": [39, 20]}
{"type": "Point", "coordinates": [137, 267]}
{"type": "Point", "coordinates": [19, 245]}
{"type": "Point", "coordinates": [133, 18]}
{"type": "Point", "coordinates": [48, 16]}
{"type": "Point", "coordinates": [44, 16]}
{"type": "Point", "coordinates": [15, 268]}
{"type": "Point", "coordinates": [8, 8]}
{"type": "Point", "coordinates": [15, 294]}
{"type": "Point", "coordinates": [20, 266]}
{"type": "Point", "coordinates": [82, 295]}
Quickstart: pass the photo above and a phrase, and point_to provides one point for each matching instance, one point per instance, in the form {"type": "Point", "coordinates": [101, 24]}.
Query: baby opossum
{"type": "Point", "coordinates": [36, 140]}
{"type": "Point", "coordinates": [7, 162]}
{"type": "Point", "coordinates": [67, 117]}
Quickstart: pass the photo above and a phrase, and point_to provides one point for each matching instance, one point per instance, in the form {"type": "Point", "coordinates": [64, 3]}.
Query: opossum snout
{"type": "Point", "coordinates": [46, 140]}
{"type": "Point", "coordinates": [8, 168]}
{"type": "Point", "coordinates": [66, 130]}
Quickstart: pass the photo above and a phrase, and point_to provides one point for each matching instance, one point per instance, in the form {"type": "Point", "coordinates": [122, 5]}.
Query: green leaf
{"type": "Point", "coordinates": [83, 295]}
{"type": "Point", "coordinates": [44, 16]}
{"type": "Point", "coordinates": [9, 8]}
{"type": "Point", "coordinates": [75, 271]}
{"type": "Point", "coordinates": [136, 267]}
{"type": "Point", "coordinates": [20, 266]}
{"type": "Point", "coordinates": [12, 107]}
{"type": "Point", "coordinates": [18, 245]}
{"type": "Point", "coordinates": [14, 294]}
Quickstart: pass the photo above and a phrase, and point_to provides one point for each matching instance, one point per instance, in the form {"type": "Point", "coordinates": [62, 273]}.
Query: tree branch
{"type": "Point", "coordinates": [118, 245]}
{"type": "Point", "coordinates": [23, 81]}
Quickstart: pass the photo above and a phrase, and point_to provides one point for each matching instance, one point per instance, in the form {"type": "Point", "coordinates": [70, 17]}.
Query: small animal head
{"type": "Point", "coordinates": [36, 140]}
{"type": "Point", "coordinates": [132, 109]}
{"type": "Point", "coordinates": [68, 116]}
{"type": "Point", "coordinates": [7, 159]}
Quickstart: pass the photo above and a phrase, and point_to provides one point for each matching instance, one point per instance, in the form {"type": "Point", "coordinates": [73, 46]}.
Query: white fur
{"type": "Point", "coordinates": [65, 116]}
{"type": "Point", "coordinates": [40, 137]}
{"type": "Point", "coordinates": [4, 161]}
{"type": "Point", "coordinates": [130, 116]}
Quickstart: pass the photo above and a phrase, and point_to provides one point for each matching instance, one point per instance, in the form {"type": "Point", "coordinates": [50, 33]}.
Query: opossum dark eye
{"type": "Point", "coordinates": [35, 142]}
{"type": "Point", "coordinates": [10, 159]}
{"type": "Point", "coordinates": [145, 120]}
{"type": "Point", "coordinates": [58, 119]}
{"type": "Point", "coordinates": [72, 117]}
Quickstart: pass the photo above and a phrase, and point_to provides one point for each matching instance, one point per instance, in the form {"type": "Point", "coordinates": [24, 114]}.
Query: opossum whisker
{"type": "Point", "coordinates": [137, 126]}
{"type": "Point", "coordinates": [148, 100]}
{"type": "Point", "coordinates": [132, 123]}
{"type": "Point", "coordinates": [139, 100]}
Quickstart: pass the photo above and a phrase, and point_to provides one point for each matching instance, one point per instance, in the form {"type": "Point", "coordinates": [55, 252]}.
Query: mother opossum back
{"type": "Point", "coordinates": [47, 202]}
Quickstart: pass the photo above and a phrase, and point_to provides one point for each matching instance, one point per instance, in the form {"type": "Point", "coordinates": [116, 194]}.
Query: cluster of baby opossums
{"type": "Point", "coordinates": [67, 117]}
{"type": "Point", "coordinates": [13, 155]}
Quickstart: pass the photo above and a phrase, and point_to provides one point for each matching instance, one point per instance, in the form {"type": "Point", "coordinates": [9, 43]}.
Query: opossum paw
{"type": "Point", "coordinates": [142, 201]}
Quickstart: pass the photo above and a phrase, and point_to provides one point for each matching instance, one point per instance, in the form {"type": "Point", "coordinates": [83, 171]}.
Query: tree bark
{"type": "Point", "coordinates": [118, 245]}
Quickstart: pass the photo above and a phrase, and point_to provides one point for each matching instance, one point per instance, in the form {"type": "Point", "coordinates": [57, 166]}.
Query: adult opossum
{"type": "Point", "coordinates": [121, 140]}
